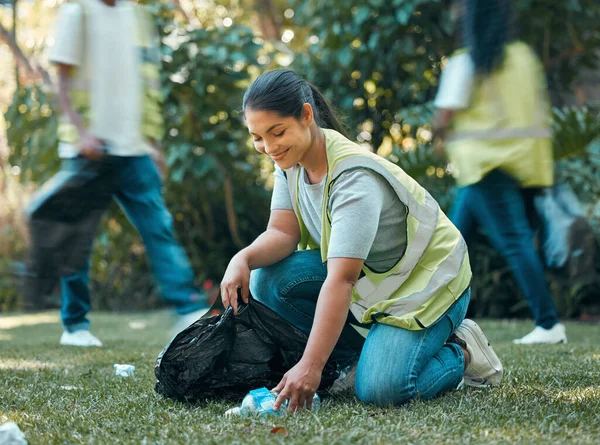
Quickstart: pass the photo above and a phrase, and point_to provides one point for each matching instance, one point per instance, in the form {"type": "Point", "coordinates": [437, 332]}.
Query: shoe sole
{"type": "Point", "coordinates": [482, 342]}
{"type": "Point", "coordinates": [80, 346]}
{"type": "Point", "coordinates": [563, 340]}
{"type": "Point", "coordinates": [66, 343]}
{"type": "Point", "coordinates": [560, 342]}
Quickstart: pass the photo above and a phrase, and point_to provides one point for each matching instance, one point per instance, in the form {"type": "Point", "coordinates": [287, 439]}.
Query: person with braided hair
{"type": "Point", "coordinates": [494, 118]}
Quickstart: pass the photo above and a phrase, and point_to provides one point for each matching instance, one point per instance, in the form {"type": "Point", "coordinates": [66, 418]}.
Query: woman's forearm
{"type": "Point", "coordinates": [330, 316]}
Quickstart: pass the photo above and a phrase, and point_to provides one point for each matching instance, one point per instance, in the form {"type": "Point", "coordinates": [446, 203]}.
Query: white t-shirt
{"type": "Point", "coordinates": [456, 83]}
{"type": "Point", "coordinates": [103, 44]}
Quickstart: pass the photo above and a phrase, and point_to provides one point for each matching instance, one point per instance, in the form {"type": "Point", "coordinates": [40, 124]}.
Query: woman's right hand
{"type": "Point", "coordinates": [237, 276]}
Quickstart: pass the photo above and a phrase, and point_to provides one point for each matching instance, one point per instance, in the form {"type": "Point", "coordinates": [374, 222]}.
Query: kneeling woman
{"type": "Point", "coordinates": [355, 245]}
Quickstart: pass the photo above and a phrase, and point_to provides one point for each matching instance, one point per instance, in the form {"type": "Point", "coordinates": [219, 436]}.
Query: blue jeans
{"type": "Point", "coordinates": [394, 365]}
{"type": "Point", "coordinates": [137, 189]}
{"type": "Point", "coordinates": [291, 288]}
{"type": "Point", "coordinates": [496, 203]}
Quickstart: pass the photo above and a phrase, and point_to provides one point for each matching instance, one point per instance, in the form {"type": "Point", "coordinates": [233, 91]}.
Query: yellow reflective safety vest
{"type": "Point", "coordinates": [148, 44]}
{"type": "Point", "coordinates": [434, 270]}
{"type": "Point", "coordinates": [507, 126]}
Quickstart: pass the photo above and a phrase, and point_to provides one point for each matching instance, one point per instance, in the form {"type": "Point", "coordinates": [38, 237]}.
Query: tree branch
{"type": "Point", "coordinates": [546, 49]}
{"type": "Point", "coordinates": [565, 55]}
{"type": "Point", "coordinates": [230, 209]}
{"type": "Point", "coordinates": [188, 18]}
{"type": "Point", "coordinates": [578, 48]}
{"type": "Point", "coordinates": [30, 71]}
{"type": "Point", "coordinates": [267, 21]}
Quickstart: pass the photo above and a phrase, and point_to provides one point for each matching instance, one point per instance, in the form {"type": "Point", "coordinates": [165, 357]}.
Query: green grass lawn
{"type": "Point", "coordinates": [550, 394]}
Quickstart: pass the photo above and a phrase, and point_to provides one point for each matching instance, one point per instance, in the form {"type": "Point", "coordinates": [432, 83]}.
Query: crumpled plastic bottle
{"type": "Point", "coordinates": [124, 370]}
{"type": "Point", "coordinates": [259, 402]}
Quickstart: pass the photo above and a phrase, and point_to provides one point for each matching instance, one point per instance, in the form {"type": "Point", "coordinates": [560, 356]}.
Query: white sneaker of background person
{"type": "Point", "coordinates": [539, 335]}
{"type": "Point", "coordinates": [483, 365]}
{"type": "Point", "coordinates": [81, 338]}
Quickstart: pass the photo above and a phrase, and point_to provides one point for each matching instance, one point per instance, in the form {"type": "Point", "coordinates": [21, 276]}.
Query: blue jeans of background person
{"type": "Point", "coordinates": [138, 193]}
{"type": "Point", "coordinates": [496, 203]}
{"type": "Point", "coordinates": [394, 365]}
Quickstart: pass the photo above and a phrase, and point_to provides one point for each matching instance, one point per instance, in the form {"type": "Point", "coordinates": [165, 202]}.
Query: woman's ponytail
{"type": "Point", "coordinates": [327, 117]}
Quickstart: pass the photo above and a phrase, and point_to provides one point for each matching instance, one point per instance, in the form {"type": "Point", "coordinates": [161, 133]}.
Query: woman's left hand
{"type": "Point", "coordinates": [299, 385]}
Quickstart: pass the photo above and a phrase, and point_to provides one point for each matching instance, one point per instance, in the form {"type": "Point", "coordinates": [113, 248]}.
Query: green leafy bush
{"type": "Point", "coordinates": [215, 187]}
{"type": "Point", "coordinates": [379, 63]}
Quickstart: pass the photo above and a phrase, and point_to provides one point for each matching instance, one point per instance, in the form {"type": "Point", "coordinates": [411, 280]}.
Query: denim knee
{"type": "Point", "coordinates": [278, 281]}
{"type": "Point", "coordinates": [382, 390]}
{"type": "Point", "coordinates": [265, 284]}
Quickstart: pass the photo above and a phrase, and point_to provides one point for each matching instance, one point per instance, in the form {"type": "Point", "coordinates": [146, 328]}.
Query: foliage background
{"type": "Point", "coordinates": [378, 61]}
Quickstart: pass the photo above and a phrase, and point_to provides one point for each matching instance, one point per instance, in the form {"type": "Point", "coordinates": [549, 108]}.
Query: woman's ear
{"type": "Point", "coordinates": [308, 115]}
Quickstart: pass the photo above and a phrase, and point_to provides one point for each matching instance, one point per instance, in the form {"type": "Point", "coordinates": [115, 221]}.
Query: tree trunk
{"type": "Point", "coordinates": [14, 37]}
{"type": "Point", "coordinates": [230, 208]}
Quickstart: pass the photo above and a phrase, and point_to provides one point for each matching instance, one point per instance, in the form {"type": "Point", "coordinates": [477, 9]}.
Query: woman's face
{"type": "Point", "coordinates": [283, 139]}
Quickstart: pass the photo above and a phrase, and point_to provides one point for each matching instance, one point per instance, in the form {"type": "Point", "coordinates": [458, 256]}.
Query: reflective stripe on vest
{"type": "Point", "coordinates": [426, 214]}
{"type": "Point", "coordinates": [292, 182]}
{"type": "Point", "coordinates": [496, 134]}
{"type": "Point", "coordinates": [439, 279]}
{"type": "Point", "coordinates": [500, 130]}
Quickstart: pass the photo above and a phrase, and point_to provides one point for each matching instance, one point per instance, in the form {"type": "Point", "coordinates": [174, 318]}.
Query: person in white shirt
{"type": "Point", "coordinates": [109, 135]}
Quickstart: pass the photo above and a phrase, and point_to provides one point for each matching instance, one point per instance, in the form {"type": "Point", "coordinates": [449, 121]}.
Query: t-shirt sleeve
{"type": "Point", "coordinates": [280, 200]}
{"type": "Point", "coordinates": [456, 83]}
{"type": "Point", "coordinates": [356, 204]}
{"type": "Point", "coordinates": [68, 36]}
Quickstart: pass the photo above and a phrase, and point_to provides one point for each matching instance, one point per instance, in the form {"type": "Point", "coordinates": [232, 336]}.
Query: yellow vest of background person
{"type": "Point", "coordinates": [434, 270]}
{"type": "Point", "coordinates": [507, 125]}
{"type": "Point", "coordinates": [147, 42]}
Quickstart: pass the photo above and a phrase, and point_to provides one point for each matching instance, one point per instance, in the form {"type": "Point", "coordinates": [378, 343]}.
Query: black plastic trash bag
{"type": "Point", "coordinates": [226, 356]}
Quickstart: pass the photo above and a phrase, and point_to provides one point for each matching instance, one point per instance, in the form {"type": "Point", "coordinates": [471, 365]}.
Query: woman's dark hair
{"type": "Point", "coordinates": [284, 92]}
{"type": "Point", "coordinates": [487, 28]}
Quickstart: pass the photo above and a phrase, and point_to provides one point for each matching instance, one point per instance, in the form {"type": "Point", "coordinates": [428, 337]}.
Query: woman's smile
{"type": "Point", "coordinates": [280, 154]}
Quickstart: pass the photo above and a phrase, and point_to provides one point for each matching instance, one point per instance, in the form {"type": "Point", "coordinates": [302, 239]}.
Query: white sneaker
{"type": "Point", "coordinates": [183, 321]}
{"type": "Point", "coordinates": [484, 368]}
{"type": "Point", "coordinates": [556, 334]}
{"type": "Point", "coordinates": [81, 338]}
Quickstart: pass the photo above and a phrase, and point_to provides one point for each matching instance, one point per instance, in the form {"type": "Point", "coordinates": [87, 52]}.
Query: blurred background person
{"type": "Point", "coordinates": [493, 114]}
{"type": "Point", "coordinates": [107, 57]}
